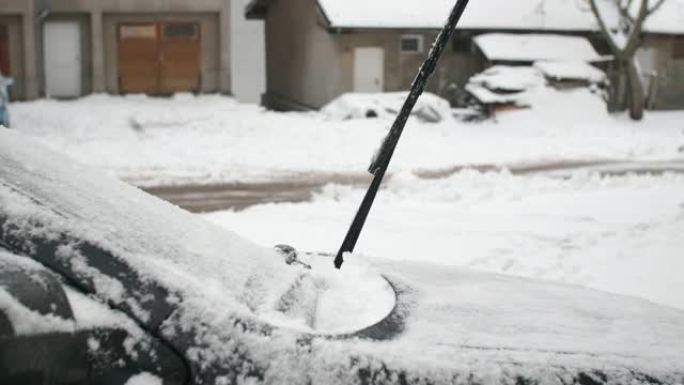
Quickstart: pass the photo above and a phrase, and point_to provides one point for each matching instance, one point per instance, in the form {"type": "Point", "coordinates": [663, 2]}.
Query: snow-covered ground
{"type": "Point", "coordinates": [620, 234]}
{"type": "Point", "coordinates": [213, 139]}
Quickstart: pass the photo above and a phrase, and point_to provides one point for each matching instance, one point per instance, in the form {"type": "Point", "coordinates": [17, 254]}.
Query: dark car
{"type": "Point", "coordinates": [101, 283]}
{"type": "Point", "coordinates": [4, 100]}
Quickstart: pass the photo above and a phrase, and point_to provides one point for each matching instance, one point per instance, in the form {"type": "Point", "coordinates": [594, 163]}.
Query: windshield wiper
{"type": "Point", "coordinates": [382, 159]}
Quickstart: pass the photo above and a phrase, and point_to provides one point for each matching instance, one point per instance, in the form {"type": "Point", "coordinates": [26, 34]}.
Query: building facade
{"type": "Point", "coordinates": [308, 65]}
{"type": "Point", "coordinates": [662, 62]}
{"type": "Point", "coordinates": [317, 50]}
{"type": "Point", "coordinates": [68, 48]}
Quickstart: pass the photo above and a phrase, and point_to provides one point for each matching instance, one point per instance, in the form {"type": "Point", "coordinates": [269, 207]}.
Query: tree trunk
{"type": "Point", "coordinates": [617, 100]}
{"type": "Point", "coordinates": [636, 92]}
{"type": "Point", "coordinates": [627, 91]}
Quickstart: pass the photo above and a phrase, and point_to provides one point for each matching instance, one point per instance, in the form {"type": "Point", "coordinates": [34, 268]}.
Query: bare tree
{"type": "Point", "coordinates": [622, 28]}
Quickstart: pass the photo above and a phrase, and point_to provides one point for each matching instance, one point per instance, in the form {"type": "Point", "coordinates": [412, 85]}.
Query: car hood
{"type": "Point", "coordinates": [201, 288]}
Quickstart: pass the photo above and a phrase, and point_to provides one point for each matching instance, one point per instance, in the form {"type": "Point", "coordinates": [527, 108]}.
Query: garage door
{"type": "Point", "coordinates": [159, 58]}
{"type": "Point", "coordinates": [62, 58]}
{"type": "Point", "coordinates": [4, 50]}
{"type": "Point", "coordinates": [138, 58]}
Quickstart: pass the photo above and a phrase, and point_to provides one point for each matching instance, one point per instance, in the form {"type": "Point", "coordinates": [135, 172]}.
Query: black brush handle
{"type": "Point", "coordinates": [382, 161]}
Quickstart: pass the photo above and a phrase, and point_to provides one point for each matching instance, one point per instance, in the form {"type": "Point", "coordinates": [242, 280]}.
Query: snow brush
{"type": "Point", "coordinates": [381, 161]}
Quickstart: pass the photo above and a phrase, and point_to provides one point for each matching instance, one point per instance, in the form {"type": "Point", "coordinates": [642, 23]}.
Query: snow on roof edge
{"type": "Point", "coordinates": [534, 47]}
{"type": "Point", "coordinates": [561, 21]}
{"type": "Point", "coordinates": [523, 16]}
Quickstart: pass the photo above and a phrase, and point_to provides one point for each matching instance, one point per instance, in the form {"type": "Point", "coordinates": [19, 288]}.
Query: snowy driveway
{"type": "Point", "coordinates": [214, 140]}
{"type": "Point", "coordinates": [201, 198]}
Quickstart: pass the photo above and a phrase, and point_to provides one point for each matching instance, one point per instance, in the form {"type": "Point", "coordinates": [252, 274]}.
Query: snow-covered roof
{"type": "Point", "coordinates": [570, 70]}
{"type": "Point", "coordinates": [486, 96]}
{"type": "Point", "coordinates": [542, 15]}
{"type": "Point", "coordinates": [508, 79]}
{"type": "Point", "coordinates": [480, 14]}
{"type": "Point", "coordinates": [502, 84]}
{"type": "Point", "coordinates": [534, 47]}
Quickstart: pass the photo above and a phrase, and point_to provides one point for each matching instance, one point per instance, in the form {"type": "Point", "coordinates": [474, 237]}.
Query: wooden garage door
{"type": "Point", "coordinates": [180, 61]}
{"type": "Point", "coordinates": [138, 58]}
{"type": "Point", "coordinates": [159, 58]}
{"type": "Point", "coordinates": [4, 50]}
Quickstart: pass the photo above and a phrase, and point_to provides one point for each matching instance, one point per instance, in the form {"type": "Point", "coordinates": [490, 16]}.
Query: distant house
{"type": "Point", "coordinates": [67, 48]}
{"type": "Point", "coordinates": [319, 49]}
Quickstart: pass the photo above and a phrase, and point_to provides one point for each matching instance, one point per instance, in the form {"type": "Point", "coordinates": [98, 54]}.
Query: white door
{"type": "Point", "coordinates": [369, 69]}
{"type": "Point", "coordinates": [62, 59]}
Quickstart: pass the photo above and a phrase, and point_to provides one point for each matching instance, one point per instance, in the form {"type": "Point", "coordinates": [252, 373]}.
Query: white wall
{"type": "Point", "coordinates": [248, 62]}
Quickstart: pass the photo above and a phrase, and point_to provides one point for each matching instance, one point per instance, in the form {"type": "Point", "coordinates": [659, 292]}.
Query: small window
{"type": "Point", "coordinates": [180, 31]}
{"type": "Point", "coordinates": [462, 43]}
{"type": "Point", "coordinates": [139, 31]}
{"type": "Point", "coordinates": [412, 43]}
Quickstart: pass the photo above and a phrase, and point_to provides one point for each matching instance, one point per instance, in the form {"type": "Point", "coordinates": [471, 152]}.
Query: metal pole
{"type": "Point", "coordinates": [379, 166]}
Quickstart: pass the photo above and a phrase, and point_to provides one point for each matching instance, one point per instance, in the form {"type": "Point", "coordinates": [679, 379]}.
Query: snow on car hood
{"type": "Point", "coordinates": [46, 196]}
{"type": "Point", "coordinates": [162, 243]}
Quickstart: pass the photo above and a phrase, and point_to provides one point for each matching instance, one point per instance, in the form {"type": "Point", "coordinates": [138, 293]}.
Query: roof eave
{"type": "Point", "coordinates": [363, 28]}
{"type": "Point", "coordinates": [323, 16]}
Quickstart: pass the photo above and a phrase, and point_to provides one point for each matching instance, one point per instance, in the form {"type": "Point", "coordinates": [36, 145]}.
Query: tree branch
{"type": "Point", "coordinates": [604, 28]}
{"type": "Point", "coordinates": [625, 11]}
{"type": "Point", "coordinates": [634, 37]}
{"type": "Point", "coordinates": [657, 5]}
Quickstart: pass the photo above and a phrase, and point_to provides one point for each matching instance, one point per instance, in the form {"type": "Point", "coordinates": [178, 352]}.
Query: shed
{"type": "Point", "coordinates": [320, 49]}
{"type": "Point", "coordinates": [532, 47]}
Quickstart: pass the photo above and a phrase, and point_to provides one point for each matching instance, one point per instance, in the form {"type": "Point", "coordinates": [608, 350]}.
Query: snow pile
{"type": "Point", "coordinates": [213, 140]}
{"type": "Point", "coordinates": [505, 85]}
{"type": "Point", "coordinates": [144, 379]}
{"type": "Point", "coordinates": [430, 108]}
{"type": "Point", "coordinates": [534, 47]}
{"type": "Point", "coordinates": [619, 234]}
{"type": "Point", "coordinates": [507, 79]}
{"type": "Point", "coordinates": [553, 105]}
{"type": "Point", "coordinates": [524, 86]}
{"type": "Point", "coordinates": [353, 298]}
{"type": "Point", "coordinates": [571, 70]}
{"type": "Point", "coordinates": [325, 300]}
